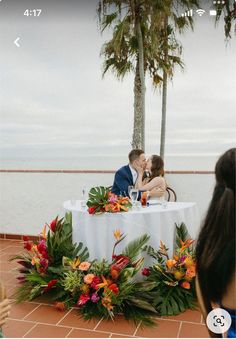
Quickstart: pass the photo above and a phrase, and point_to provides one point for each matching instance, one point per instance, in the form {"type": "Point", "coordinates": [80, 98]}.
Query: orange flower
{"type": "Point", "coordinates": [84, 266]}
{"type": "Point", "coordinates": [117, 234]}
{"type": "Point", "coordinates": [60, 306]}
{"type": "Point", "coordinates": [186, 285]}
{"type": "Point", "coordinates": [185, 244]}
{"type": "Point", "coordinates": [170, 263]}
{"type": "Point", "coordinates": [88, 278]}
{"type": "Point", "coordinates": [106, 301]}
{"type": "Point", "coordinates": [191, 272]}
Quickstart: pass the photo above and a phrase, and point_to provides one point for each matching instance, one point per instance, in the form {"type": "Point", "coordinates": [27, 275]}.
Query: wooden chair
{"type": "Point", "coordinates": [171, 195]}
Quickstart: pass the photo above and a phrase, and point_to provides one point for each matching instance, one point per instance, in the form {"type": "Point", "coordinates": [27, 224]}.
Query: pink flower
{"type": "Point", "coordinates": [44, 263]}
{"type": "Point", "coordinates": [88, 278]}
{"type": "Point", "coordinates": [146, 271]}
{"type": "Point", "coordinates": [95, 298]}
{"type": "Point", "coordinates": [112, 198]}
{"type": "Point", "coordinates": [84, 266]}
{"type": "Point", "coordinates": [83, 299]}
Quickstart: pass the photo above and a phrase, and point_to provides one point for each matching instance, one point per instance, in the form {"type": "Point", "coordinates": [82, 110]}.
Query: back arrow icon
{"type": "Point", "coordinates": [16, 42]}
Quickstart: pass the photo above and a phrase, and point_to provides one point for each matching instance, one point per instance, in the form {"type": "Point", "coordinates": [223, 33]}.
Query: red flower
{"type": "Point", "coordinates": [114, 288]}
{"type": "Point", "coordinates": [25, 238]}
{"type": "Point", "coordinates": [95, 282]}
{"type": "Point", "coordinates": [28, 246]}
{"type": "Point", "coordinates": [121, 261]}
{"type": "Point", "coordinates": [42, 246]}
{"type": "Point", "coordinates": [91, 210]}
{"type": "Point", "coordinates": [146, 271]}
{"type": "Point", "coordinates": [51, 283]}
{"type": "Point", "coordinates": [53, 225]}
{"type": "Point", "coordinates": [83, 299]}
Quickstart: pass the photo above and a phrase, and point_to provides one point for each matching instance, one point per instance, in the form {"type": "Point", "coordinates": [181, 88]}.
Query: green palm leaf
{"type": "Point", "coordinates": [132, 250]}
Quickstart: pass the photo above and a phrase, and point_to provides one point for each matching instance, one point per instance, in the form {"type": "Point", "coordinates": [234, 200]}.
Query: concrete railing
{"type": "Point", "coordinates": [30, 198]}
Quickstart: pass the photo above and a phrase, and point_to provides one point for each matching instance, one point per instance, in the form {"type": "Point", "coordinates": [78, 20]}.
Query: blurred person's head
{"type": "Point", "coordinates": [155, 165]}
{"type": "Point", "coordinates": [137, 156]}
{"type": "Point", "coordinates": [215, 252]}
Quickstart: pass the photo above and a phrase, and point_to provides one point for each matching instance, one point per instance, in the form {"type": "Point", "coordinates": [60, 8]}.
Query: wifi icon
{"type": "Point", "coordinates": [200, 11]}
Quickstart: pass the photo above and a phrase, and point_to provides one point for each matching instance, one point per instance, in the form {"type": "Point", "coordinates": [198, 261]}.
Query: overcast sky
{"type": "Point", "coordinates": [53, 95]}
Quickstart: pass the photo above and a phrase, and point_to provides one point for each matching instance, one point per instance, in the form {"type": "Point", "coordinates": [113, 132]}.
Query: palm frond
{"type": "Point", "coordinates": [132, 250]}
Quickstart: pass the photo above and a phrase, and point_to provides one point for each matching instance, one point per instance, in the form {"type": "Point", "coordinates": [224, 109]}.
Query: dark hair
{"type": "Point", "coordinates": [135, 154]}
{"type": "Point", "coordinates": [157, 168]}
{"type": "Point", "coordinates": [215, 251]}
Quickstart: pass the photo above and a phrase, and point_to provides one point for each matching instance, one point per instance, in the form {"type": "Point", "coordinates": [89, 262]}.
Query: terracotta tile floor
{"type": "Point", "coordinates": [40, 319]}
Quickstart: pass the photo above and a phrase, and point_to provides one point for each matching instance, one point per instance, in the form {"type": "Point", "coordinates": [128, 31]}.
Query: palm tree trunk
{"type": "Point", "coordinates": [137, 127]}
{"type": "Point", "coordinates": [138, 140]}
{"type": "Point", "coordinates": [142, 79]}
{"type": "Point", "coordinates": [164, 96]}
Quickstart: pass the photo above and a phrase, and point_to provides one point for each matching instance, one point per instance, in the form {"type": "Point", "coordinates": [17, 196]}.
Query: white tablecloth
{"type": "Point", "coordinates": [96, 231]}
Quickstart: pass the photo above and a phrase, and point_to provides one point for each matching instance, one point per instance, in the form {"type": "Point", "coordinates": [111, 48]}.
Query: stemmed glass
{"type": "Point", "coordinates": [133, 195]}
{"type": "Point", "coordinates": [83, 197]}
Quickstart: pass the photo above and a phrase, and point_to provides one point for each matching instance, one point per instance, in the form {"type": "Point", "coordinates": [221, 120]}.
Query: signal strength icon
{"type": "Point", "coordinates": [200, 11]}
{"type": "Point", "coordinates": [188, 13]}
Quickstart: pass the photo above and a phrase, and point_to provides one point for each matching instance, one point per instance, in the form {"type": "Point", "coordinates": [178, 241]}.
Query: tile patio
{"type": "Point", "coordinates": [40, 319]}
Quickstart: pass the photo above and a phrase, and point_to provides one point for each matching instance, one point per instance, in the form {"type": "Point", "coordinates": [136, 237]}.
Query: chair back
{"type": "Point", "coordinates": [171, 195]}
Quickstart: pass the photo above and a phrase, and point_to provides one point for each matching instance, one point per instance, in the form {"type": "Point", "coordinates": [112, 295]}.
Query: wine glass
{"type": "Point", "coordinates": [129, 189]}
{"type": "Point", "coordinates": [83, 196]}
{"type": "Point", "coordinates": [133, 195]}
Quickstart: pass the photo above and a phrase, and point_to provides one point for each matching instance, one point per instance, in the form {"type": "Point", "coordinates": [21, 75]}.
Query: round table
{"type": "Point", "coordinates": [96, 231]}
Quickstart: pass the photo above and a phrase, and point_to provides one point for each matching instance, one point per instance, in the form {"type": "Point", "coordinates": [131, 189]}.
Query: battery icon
{"type": "Point", "coordinates": [213, 12]}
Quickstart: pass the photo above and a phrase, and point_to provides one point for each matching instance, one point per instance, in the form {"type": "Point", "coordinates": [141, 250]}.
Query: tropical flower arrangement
{"type": "Point", "coordinates": [175, 286]}
{"type": "Point", "coordinates": [55, 267]}
{"type": "Point", "coordinates": [101, 200]}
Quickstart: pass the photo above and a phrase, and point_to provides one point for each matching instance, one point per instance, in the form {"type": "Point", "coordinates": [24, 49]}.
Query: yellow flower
{"type": "Point", "coordinates": [43, 233]}
{"type": "Point", "coordinates": [188, 262]}
{"type": "Point", "coordinates": [75, 263]}
{"type": "Point", "coordinates": [178, 275]}
{"type": "Point", "coordinates": [117, 234]}
{"type": "Point", "coordinates": [84, 288]}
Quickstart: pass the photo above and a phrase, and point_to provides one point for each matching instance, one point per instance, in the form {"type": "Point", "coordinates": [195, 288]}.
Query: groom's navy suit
{"type": "Point", "coordinates": [123, 179]}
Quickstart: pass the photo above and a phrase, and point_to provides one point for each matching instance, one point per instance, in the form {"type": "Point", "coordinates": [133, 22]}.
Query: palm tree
{"type": "Point", "coordinates": [136, 45]}
{"type": "Point", "coordinates": [228, 10]}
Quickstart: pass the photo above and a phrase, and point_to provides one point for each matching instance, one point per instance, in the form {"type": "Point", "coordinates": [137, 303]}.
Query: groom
{"type": "Point", "coordinates": [127, 175]}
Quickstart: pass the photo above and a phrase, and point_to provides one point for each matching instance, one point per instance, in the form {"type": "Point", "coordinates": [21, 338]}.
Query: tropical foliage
{"type": "Point", "coordinates": [102, 200]}
{"type": "Point", "coordinates": [174, 277]}
{"type": "Point", "coordinates": [53, 266]}
{"type": "Point", "coordinates": [42, 263]}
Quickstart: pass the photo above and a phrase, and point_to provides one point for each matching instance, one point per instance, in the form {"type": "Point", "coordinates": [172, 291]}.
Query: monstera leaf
{"type": "Point", "coordinates": [98, 196]}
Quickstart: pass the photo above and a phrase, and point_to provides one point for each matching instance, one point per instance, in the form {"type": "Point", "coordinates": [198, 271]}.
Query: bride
{"type": "Point", "coordinates": [152, 179]}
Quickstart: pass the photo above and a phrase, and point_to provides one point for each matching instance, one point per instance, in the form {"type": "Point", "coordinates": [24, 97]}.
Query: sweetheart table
{"type": "Point", "coordinates": [96, 231]}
